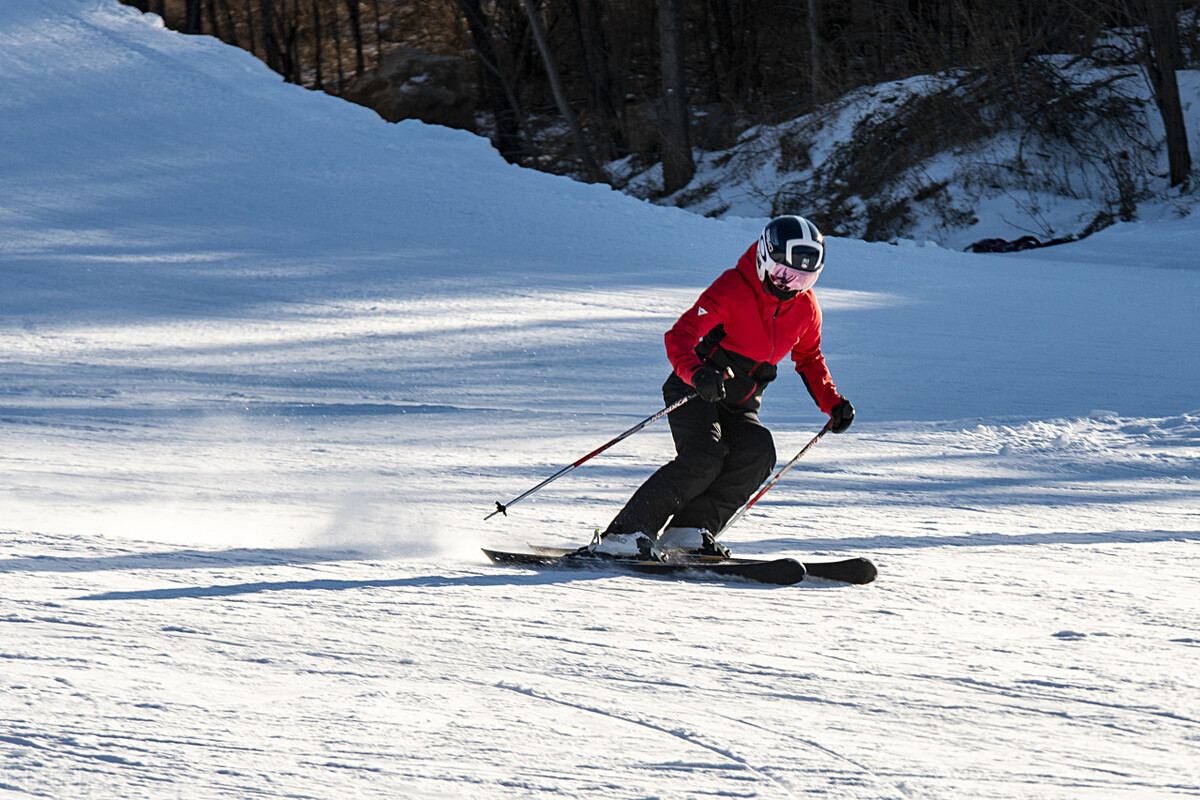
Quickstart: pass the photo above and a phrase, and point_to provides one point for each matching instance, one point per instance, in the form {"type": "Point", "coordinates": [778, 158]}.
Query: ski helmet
{"type": "Point", "coordinates": [791, 252]}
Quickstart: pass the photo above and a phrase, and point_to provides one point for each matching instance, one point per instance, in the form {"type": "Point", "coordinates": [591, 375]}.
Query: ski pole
{"type": "Point", "coordinates": [774, 480]}
{"type": "Point", "coordinates": [502, 508]}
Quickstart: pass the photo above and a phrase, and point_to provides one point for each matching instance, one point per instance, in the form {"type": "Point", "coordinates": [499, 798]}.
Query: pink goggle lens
{"type": "Point", "coordinates": [792, 280]}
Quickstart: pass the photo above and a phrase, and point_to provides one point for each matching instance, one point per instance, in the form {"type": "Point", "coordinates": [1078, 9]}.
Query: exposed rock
{"type": "Point", "coordinates": [413, 84]}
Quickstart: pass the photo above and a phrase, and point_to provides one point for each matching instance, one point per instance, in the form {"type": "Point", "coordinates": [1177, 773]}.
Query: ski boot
{"type": "Point", "coordinates": [693, 541]}
{"type": "Point", "coordinates": [624, 545]}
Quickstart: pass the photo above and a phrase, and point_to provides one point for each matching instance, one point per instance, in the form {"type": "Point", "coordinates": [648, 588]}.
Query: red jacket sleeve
{"type": "Point", "coordinates": [707, 313]}
{"type": "Point", "coordinates": [810, 363]}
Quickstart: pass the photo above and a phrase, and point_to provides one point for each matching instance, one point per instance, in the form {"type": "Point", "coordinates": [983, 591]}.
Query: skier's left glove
{"type": "Point", "coordinates": [841, 416]}
{"type": "Point", "coordinates": [709, 384]}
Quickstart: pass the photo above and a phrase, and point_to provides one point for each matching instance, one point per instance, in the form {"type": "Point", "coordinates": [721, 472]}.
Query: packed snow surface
{"type": "Point", "coordinates": [266, 362]}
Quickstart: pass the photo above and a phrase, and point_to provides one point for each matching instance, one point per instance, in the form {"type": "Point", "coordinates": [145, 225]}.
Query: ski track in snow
{"type": "Point", "coordinates": [263, 374]}
{"type": "Point", "coordinates": [1040, 660]}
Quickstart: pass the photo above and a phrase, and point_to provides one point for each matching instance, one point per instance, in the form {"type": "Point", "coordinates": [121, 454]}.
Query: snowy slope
{"type": "Point", "coordinates": [266, 362]}
{"type": "Point", "coordinates": [1008, 186]}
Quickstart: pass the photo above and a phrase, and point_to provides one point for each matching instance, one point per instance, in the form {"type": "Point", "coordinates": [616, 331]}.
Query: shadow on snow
{"type": "Point", "coordinates": [500, 578]}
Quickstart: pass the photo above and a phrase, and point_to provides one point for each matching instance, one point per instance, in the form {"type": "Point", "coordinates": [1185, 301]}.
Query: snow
{"type": "Point", "coordinates": [267, 362]}
{"type": "Point", "coordinates": [1008, 185]}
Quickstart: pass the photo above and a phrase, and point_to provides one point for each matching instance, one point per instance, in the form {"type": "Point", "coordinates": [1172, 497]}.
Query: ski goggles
{"type": "Point", "coordinates": [797, 273]}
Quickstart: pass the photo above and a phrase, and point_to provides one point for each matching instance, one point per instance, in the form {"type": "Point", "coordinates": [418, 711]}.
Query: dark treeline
{"type": "Point", "coordinates": [639, 76]}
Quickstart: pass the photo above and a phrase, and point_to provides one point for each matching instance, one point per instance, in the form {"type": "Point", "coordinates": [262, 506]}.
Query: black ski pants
{"type": "Point", "coordinates": [722, 455]}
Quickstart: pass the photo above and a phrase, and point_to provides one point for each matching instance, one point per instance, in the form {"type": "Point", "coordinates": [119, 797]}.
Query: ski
{"type": "Point", "coordinates": [856, 570]}
{"type": "Point", "coordinates": [776, 572]}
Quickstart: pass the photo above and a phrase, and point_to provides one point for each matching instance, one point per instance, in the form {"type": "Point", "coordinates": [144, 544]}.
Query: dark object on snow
{"type": "Point", "coordinates": [1005, 246]}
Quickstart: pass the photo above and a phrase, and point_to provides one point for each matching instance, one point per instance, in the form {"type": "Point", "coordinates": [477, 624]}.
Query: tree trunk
{"type": "Point", "coordinates": [213, 25]}
{"type": "Point", "coordinates": [816, 84]}
{"type": "Point", "coordinates": [582, 44]}
{"type": "Point", "coordinates": [337, 56]}
{"type": "Point", "coordinates": [356, 31]}
{"type": "Point", "coordinates": [612, 100]}
{"type": "Point", "coordinates": [250, 27]}
{"type": "Point", "coordinates": [729, 61]}
{"type": "Point", "coordinates": [499, 93]}
{"type": "Point", "coordinates": [678, 166]}
{"type": "Point", "coordinates": [227, 13]}
{"type": "Point", "coordinates": [378, 35]}
{"type": "Point", "coordinates": [590, 169]}
{"type": "Point", "coordinates": [1162, 61]}
{"type": "Point", "coordinates": [270, 37]}
{"type": "Point", "coordinates": [290, 41]}
{"type": "Point", "coordinates": [191, 16]}
{"type": "Point", "coordinates": [318, 44]}
{"type": "Point", "coordinates": [594, 63]}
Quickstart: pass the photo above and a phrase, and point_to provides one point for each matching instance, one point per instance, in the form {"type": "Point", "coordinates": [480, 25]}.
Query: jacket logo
{"type": "Point", "coordinates": [701, 311]}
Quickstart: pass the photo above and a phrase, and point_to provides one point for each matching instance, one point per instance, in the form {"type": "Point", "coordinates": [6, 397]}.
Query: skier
{"type": "Point", "coordinates": [725, 349]}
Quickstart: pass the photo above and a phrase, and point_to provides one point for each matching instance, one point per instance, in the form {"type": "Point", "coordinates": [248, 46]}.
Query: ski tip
{"type": "Point", "coordinates": [864, 572]}
{"type": "Point", "coordinates": [851, 570]}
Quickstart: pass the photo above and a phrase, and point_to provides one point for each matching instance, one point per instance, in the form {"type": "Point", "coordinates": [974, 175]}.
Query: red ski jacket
{"type": "Point", "coordinates": [737, 324]}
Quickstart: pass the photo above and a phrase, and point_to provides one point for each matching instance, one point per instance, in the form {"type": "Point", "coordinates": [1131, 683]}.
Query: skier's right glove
{"type": "Point", "coordinates": [841, 416]}
{"type": "Point", "coordinates": [709, 384]}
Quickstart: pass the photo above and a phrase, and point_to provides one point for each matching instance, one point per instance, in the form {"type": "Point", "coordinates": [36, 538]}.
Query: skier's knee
{"type": "Point", "coordinates": [702, 467]}
{"type": "Point", "coordinates": [761, 449]}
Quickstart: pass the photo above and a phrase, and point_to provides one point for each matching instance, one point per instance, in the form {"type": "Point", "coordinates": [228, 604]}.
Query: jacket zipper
{"type": "Point", "coordinates": [774, 329]}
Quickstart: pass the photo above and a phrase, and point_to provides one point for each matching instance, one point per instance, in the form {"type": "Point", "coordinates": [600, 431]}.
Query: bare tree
{"type": "Point", "coordinates": [270, 35]}
{"type": "Point", "coordinates": [318, 32]}
{"type": "Point", "coordinates": [590, 169]}
{"type": "Point", "coordinates": [678, 166]}
{"type": "Point", "coordinates": [817, 83]}
{"type": "Point", "coordinates": [192, 14]}
{"type": "Point", "coordinates": [597, 74]}
{"type": "Point", "coordinates": [356, 30]}
{"type": "Point", "coordinates": [231, 32]}
{"type": "Point", "coordinates": [497, 88]}
{"type": "Point", "coordinates": [1162, 59]}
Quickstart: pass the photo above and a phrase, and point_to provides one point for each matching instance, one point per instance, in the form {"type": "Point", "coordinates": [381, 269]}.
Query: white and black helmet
{"type": "Point", "coordinates": [791, 252]}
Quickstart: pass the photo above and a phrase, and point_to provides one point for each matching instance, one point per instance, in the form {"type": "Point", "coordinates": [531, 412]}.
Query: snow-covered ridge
{"type": "Point", "coordinates": [971, 184]}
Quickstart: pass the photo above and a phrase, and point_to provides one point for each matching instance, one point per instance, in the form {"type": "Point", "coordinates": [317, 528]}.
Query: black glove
{"type": "Point", "coordinates": [709, 384]}
{"type": "Point", "coordinates": [841, 416]}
